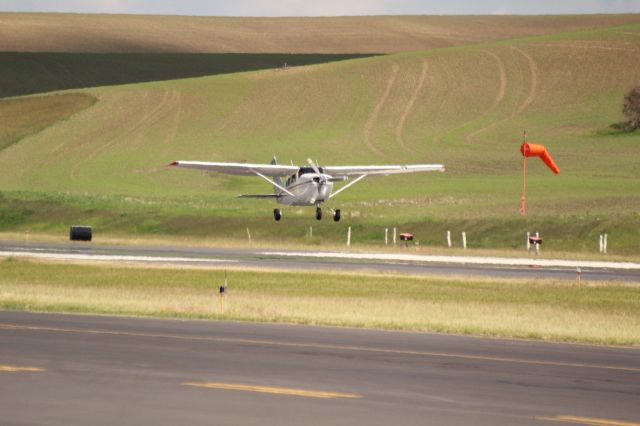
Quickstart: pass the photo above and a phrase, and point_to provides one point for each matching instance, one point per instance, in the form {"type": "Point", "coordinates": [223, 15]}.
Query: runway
{"type": "Point", "coordinates": [400, 261]}
{"type": "Point", "coordinates": [78, 370]}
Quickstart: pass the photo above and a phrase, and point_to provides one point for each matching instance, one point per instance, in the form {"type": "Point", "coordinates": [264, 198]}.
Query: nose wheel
{"type": "Point", "coordinates": [336, 216]}
{"type": "Point", "coordinates": [277, 214]}
{"type": "Point", "coordinates": [318, 213]}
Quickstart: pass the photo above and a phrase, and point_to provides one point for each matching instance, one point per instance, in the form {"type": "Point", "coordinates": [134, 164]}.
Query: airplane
{"type": "Point", "coordinates": [305, 186]}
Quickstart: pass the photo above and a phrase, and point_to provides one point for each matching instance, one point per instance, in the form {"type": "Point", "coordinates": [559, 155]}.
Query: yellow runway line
{"type": "Point", "coordinates": [588, 421]}
{"type": "Point", "coordinates": [17, 369]}
{"type": "Point", "coordinates": [272, 390]}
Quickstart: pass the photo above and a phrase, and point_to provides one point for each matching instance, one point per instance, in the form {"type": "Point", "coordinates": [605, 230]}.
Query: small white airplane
{"type": "Point", "coordinates": [305, 186]}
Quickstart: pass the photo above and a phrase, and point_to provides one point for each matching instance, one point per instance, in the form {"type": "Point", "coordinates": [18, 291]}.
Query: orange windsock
{"type": "Point", "coordinates": [535, 150]}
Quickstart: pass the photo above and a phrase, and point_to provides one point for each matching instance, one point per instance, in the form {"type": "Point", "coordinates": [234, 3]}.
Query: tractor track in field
{"type": "Point", "coordinates": [409, 107]}
{"type": "Point", "coordinates": [175, 122]}
{"type": "Point", "coordinates": [172, 117]}
{"type": "Point", "coordinates": [534, 82]}
{"type": "Point", "coordinates": [531, 96]}
{"type": "Point", "coordinates": [368, 127]}
{"type": "Point", "coordinates": [148, 118]}
{"type": "Point", "coordinates": [499, 96]}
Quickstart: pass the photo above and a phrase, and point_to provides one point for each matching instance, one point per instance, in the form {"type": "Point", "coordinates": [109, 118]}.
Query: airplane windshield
{"type": "Point", "coordinates": [306, 170]}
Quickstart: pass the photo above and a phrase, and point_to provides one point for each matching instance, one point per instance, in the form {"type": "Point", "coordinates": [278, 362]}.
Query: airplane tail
{"type": "Point", "coordinates": [277, 179]}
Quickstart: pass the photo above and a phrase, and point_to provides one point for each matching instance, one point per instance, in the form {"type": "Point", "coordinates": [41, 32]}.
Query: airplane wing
{"type": "Point", "coordinates": [346, 171]}
{"type": "Point", "coordinates": [272, 170]}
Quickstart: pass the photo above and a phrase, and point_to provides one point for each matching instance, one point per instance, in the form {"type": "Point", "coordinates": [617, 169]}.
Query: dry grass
{"type": "Point", "coordinates": [46, 32]}
{"type": "Point", "coordinates": [550, 310]}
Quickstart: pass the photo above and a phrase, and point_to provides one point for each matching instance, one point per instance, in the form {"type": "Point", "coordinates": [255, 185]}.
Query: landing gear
{"type": "Point", "coordinates": [336, 216]}
{"type": "Point", "coordinates": [318, 213]}
{"type": "Point", "coordinates": [277, 214]}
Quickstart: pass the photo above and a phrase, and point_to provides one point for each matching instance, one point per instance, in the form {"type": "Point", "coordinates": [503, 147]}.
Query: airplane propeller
{"type": "Point", "coordinates": [314, 165]}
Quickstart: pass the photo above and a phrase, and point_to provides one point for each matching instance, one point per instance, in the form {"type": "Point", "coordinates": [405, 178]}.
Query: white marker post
{"type": "Point", "coordinates": [537, 243]}
{"type": "Point", "coordinates": [464, 240]}
{"type": "Point", "coordinates": [600, 244]}
{"type": "Point", "coordinates": [349, 237]}
{"type": "Point", "coordinates": [449, 239]}
{"type": "Point", "coordinates": [394, 236]}
{"type": "Point", "coordinates": [604, 245]}
{"type": "Point", "coordinates": [386, 236]}
{"type": "Point", "coordinates": [528, 241]}
{"type": "Point", "coordinates": [248, 235]}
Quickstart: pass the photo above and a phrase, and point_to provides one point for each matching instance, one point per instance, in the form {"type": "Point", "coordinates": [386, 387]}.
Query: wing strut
{"type": "Point", "coordinates": [280, 187]}
{"type": "Point", "coordinates": [356, 180]}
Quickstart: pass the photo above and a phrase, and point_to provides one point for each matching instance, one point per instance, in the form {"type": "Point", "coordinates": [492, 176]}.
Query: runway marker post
{"type": "Point", "coordinates": [601, 244]}
{"type": "Point", "coordinates": [449, 239]}
{"type": "Point", "coordinates": [222, 290]}
{"type": "Point", "coordinates": [578, 273]}
{"type": "Point", "coordinates": [464, 240]}
{"type": "Point", "coordinates": [386, 236]}
{"type": "Point", "coordinates": [349, 237]}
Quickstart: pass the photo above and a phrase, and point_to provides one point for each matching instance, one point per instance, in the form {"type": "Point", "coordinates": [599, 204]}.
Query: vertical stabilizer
{"type": "Point", "coordinates": [277, 179]}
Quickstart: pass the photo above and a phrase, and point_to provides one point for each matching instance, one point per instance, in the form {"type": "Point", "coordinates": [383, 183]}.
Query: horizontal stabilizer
{"type": "Point", "coordinates": [259, 196]}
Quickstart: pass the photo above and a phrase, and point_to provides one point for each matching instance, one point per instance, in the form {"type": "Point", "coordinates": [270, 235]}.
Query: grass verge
{"type": "Point", "coordinates": [538, 309]}
{"type": "Point", "coordinates": [136, 218]}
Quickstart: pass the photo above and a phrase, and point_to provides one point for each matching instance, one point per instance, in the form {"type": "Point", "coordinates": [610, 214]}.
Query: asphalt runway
{"type": "Point", "coordinates": [319, 260]}
{"type": "Point", "coordinates": [99, 370]}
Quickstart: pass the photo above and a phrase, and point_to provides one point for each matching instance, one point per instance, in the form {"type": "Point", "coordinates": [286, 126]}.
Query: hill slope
{"type": "Point", "coordinates": [465, 107]}
{"type": "Point", "coordinates": [78, 33]}
{"type": "Point", "coordinates": [25, 73]}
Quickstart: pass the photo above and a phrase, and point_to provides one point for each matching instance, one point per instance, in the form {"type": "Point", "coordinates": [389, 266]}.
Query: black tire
{"type": "Point", "coordinates": [318, 213]}
{"type": "Point", "coordinates": [336, 216]}
{"type": "Point", "coordinates": [277, 214]}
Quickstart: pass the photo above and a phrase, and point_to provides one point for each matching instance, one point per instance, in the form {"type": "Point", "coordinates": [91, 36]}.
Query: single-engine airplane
{"type": "Point", "coordinates": [305, 186]}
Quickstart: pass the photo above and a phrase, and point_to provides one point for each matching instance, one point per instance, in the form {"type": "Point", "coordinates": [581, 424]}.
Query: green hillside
{"type": "Point", "coordinates": [465, 107]}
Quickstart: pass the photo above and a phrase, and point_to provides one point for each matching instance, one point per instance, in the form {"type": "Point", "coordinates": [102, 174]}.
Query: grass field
{"type": "Point", "coordinates": [463, 106]}
{"type": "Point", "coordinates": [537, 309]}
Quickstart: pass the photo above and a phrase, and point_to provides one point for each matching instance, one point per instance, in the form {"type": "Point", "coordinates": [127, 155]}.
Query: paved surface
{"type": "Point", "coordinates": [283, 259]}
{"type": "Point", "coordinates": [98, 370]}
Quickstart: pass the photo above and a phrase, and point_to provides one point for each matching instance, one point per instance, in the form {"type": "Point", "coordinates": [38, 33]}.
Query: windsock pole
{"type": "Point", "coordinates": [533, 150]}
{"type": "Point", "coordinates": [523, 210]}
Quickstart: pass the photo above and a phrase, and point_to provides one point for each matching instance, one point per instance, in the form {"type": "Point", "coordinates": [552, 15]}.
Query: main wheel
{"type": "Point", "coordinates": [318, 213]}
{"type": "Point", "coordinates": [336, 216]}
{"type": "Point", "coordinates": [277, 214]}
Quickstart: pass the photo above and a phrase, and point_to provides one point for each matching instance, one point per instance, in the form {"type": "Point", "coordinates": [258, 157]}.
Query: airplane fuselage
{"type": "Point", "coordinates": [310, 189]}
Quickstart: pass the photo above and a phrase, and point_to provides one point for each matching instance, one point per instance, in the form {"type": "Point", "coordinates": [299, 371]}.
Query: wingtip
{"type": "Point", "coordinates": [174, 163]}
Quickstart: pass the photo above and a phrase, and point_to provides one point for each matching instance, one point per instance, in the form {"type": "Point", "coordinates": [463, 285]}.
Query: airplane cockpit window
{"type": "Point", "coordinates": [305, 170]}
